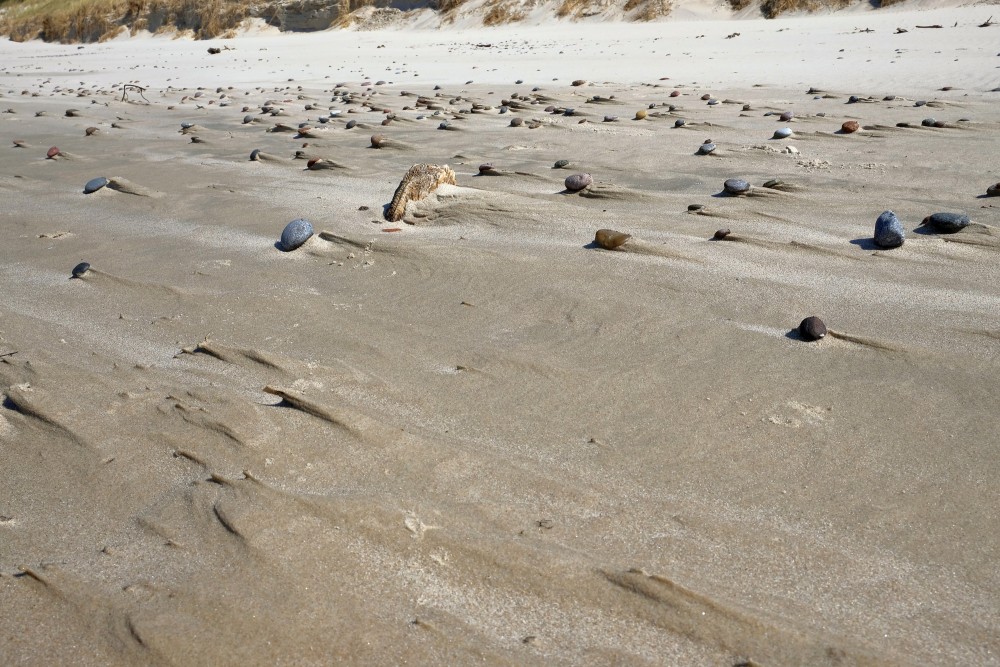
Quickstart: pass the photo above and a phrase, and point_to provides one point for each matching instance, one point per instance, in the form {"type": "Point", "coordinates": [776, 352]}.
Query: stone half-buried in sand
{"type": "Point", "coordinates": [610, 239]}
{"type": "Point", "coordinates": [420, 180]}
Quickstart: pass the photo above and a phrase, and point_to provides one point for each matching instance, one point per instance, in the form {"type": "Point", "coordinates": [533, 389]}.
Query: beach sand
{"type": "Point", "coordinates": [481, 438]}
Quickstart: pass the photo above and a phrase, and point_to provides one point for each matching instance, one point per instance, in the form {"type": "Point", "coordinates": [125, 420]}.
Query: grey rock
{"type": "Point", "coordinates": [680, 122]}
{"type": "Point", "coordinates": [560, 164]}
{"type": "Point", "coordinates": [782, 133]}
{"type": "Point", "coordinates": [736, 186]}
{"type": "Point", "coordinates": [578, 182]}
{"type": "Point", "coordinates": [94, 184]}
{"type": "Point", "coordinates": [706, 149]}
{"type": "Point", "coordinates": [295, 234]}
{"type": "Point", "coordinates": [889, 231]}
{"type": "Point", "coordinates": [947, 223]}
{"type": "Point", "coordinates": [80, 269]}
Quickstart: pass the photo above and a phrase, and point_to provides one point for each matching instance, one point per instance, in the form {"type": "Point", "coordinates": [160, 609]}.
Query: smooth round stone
{"type": "Point", "coordinates": [377, 140]}
{"type": "Point", "coordinates": [610, 239]}
{"type": "Point", "coordinates": [889, 98]}
{"type": "Point", "coordinates": [295, 234]}
{"type": "Point", "coordinates": [721, 234]}
{"type": "Point", "coordinates": [52, 152]}
{"type": "Point", "coordinates": [786, 116]}
{"type": "Point", "coordinates": [695, 207]}
{"type": "Point", "coordinates": [705, 149]}
{"type": "Point", "coordinates": [560, 164]}
{"type": "Point", "coordinates": [578, 182]}
{"type": "Point", "coordinates": [713, 102]}
{"type": "Point", "coordinates": [889, 231]}
{"type": "Point", "coordinates": [928, 122]}
{"type": "Point", "coordinates": [351, 124]}
{"type": "Point", "coordinates": [640, 114]}
{"type": "Point", "coordinates": [680, 122]}
{"type": "Point", "coordinates": [850, 127]}
{"type": "Point", "coordinates": [253, 154]}
{"type": "Point", "coordinates": [706, 97]}
{"type": "Point", "coordinates": [247, 119]}
{"type": "Point", "coordinates": [444, 125]}
{"type": "Point", "coordinates": [736, 186]}
{"type": "Point", "coordinates": [993, 190]}
{"type": "Point", "coordinates": [812, 328]}
{"type": "Point", "coordinates": [852, 99]}
{"type": "Point", "coordinates": [94, 184]}
{"type": "Point", "coordinates": [675, 93]}
{"type": "Point", "coordinates": [920, 103]}
{"type": "Point", "coordinates": [947, 223]}
{"type": "Point", "coordinates": [516, 122]}
{"type": "Point", "coordinates": [186, 125]}
{"type": "Point", "coordinates": [504, 109]}
{"type": "Point", "coordinates": [81, 269]}
{"type": "Point", "coordinates": [783, 133]}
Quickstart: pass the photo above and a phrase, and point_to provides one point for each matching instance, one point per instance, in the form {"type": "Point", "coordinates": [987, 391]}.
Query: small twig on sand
{"type": "Point", "coordinates": [900, 31]}
{"type": "Point", "coordinates": [930, 26]}
{"type": "Point", "coordinates": [8, 354]}
{"type": "Point", "coordinates": [129, 86]}
{"type": "Point", "coordinates": [988, 23]}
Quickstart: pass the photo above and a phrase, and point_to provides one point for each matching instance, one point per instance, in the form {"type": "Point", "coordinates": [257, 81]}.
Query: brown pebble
{"type": "Point", "coordinates": [52, 152]}
{"type": "Point", "coordinates": [610, 239]}
{"type": "Point", "coordinates": [640, 114]}
{"type": "Point", "coordinates": [675, 93]}
{"type": "Point", "coordinates": [721, 234]}
{"type": "Point", "coordinates": [850, 127]}
{"type": "Point", "coordinates": [578, 82]}
{"type": "Point", "coordinates": [378, 140]}
{"type": "Point", "coordinates": [812, 328]}
{"type": "Point", "coordinates": [706, 96]}
{"type": "Point", "coordinates": [90, 130]}
{"type": "Point", "coordinates": [578, 182]}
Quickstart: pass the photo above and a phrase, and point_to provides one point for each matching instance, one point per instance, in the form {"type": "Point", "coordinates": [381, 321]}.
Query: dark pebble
{"type": "Point", "coordinates": [560, 164]}
{"type": "Point", "coordinates": [295, 234]}
{"type": "Point", "coordinates": [351, 124]}
{"type": "Point", "coordinates": [578, 182]}
{"type": "Point", "coordinates": [889, 231]}
{"type": "Point", "coordinates": [705, 149]}
{"type": "Point", "coordinates": [721, 234]}
{"type": "Point", "coordinates": [928, 122]}
{"type": "Point", "coordinates": [812, 328]}
{"type": "Point", "coordinates": [736, 186]}
{"type": "Point", "coordinates": [516, 122]}
{"type": "Point", "coordinates": [80, 269]}
{"type": "Point", "coordinates": [680, 122]}
{"type": "Point", "coordinates": [947, 223]}
{"type": "Point", "coordinates": [695, 207]}
{"type": "Point", "coordinates": [610, 119]}
{"type": "Point", "coordinates": [920, 103]}
{"type": "Point", "coordinates": [253, 154]}
{"type": "Point", "coordinates": [94, 184]}
{"type": "Point", "coordinates": [993, 190]}
{"type": "Point", "coordinates": [786, 116]}
{"type": "Point", "coordinates": [52, 152]}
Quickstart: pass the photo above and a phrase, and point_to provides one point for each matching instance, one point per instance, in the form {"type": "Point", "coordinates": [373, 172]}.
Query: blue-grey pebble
{"type": "Point", "coordinates": [680, 122]}
{"type": "Point", "coordinates": [80, 269]}
{"type": "Point", "coordinates": [713, 102]}
{"type": "Point", "coordinates": [295, 234]}
{"type": "Point", "coordinates": [852, 99]}
{"type": "Point", "coordinates": [928, 122]}
{"type": "Point", "coordinates": [247, 119]}
{"type": "Point", "coordinates": [947, 223]}
{"type": "Point", "coordinates": [705, 149]}
{"type": "Point", "coordinates": [889, 231]}
{"type": "Point", "coordinates": [783, 133]}
{"type": "Point", "coordinates": [186, 125]}
{"type": "Point", "coordinates": [920, 103]}
{"type": "Point", "coordinates": [351, 123]}
{"type": "Point", "coordinates": [253, 154]}
{"type": "Point", "coordinates": [94, 184]}
{"type": "Point", "coordinates": [736, 186]}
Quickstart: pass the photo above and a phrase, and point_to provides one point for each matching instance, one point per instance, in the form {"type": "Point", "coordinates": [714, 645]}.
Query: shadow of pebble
{"type": "Point", "coordinates": [866, 243]}
{"type": "Point", "coordinates": [795, 335]}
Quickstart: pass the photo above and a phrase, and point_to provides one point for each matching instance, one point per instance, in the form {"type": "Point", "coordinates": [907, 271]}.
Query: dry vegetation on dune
{"type": "Point", "coordinates": [95, 20]}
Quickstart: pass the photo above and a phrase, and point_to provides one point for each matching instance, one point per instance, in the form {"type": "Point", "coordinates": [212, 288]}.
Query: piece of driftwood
{"type": "Point", "coordinates": [988, 23]}
{"type": "Point", "coordinates": [930, 26]}
{"type": "Point", "coordinates": [129, 86]}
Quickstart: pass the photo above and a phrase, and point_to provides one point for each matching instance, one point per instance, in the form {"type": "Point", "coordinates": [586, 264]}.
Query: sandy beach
{"type": "Point", "coordinates": [472, 434]}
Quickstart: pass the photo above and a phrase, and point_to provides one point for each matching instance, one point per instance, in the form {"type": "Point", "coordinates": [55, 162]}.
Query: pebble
{"type": "Point", "coordinates": [351, 124]}
{"type": "Point", "coordinates": [852, 99]}
{"type": "Point", "coordinates": [928, 122]}
{"type": "Point", "coordinates": [675, 93]}
{"type": "Point", "coordinates": [610, 119]}
{"type": "Point", "coordinates": [889, 231]}
{"type": "Point", "coordinates": [91, 131]}
{"type": "Point", "coordinates": [705, 149]}
{"type": "Point", "coordinates": [947, 223]}
{"type": "Point", "coordinates": [786, 116]}
{"type": "Point", "coordinates": [849, 127]}
{"type": "Point", "coordinates": [736, 186]}
{"type": "Point", "coordinates": [782, 133]}
{"type": "Point", "coordinates": [993, 190]}
{"type": "Point", "coordinates": [80, 269]}
{"type": "Point", "coordinates": [247, 119]}
{"type": "Point", "coordinates": [695, 207]}
{"type": "Point", "coordinates": [578, 182]}
{"type": "Point", "coordinates": [516, 122]}
{"type": "Point", "coordinates": [94, 184]}
{"type": "Point", "coordinates": [812, 328]}
{"type": "Point", "coordinates": [640, 114]}
{"type": "Point", "coordinates": [610, 239]}
{"type": "Point", "coordinates": [680, 122]}
{"type": "Point", "coordinates": [52, 152]}
{"type": "Point", "coordinates": [920, 103]}
{"type": "Point", "coordinates": [560, 164]}
{"type": "Point", "coordinates": [487, 168]}
{"type": "Point", "coordinates": [721, 234]}
{"type": "Point", "coordinates": [295, 234]}
{"type": "Point", "coordinates": [253, 154]}
{"type": "Point", "coordinates": [712, 102]}
{"type": "Point", "coordinates": [377, 140]}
